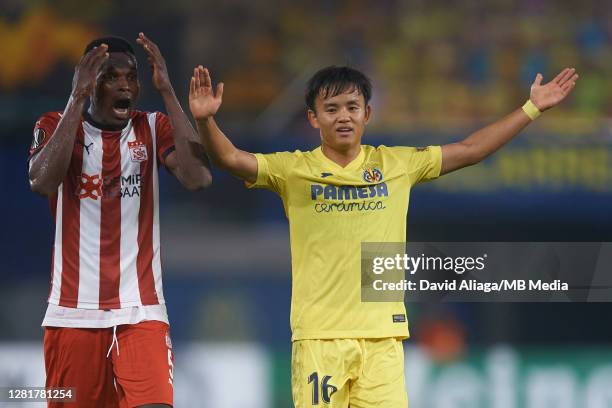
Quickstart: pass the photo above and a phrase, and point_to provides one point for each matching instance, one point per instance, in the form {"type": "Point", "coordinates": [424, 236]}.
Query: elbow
{"type": "Point", "coordinates": [474, 155]}
{"type": "Point", "coordinates": [474, 159]}
{"type": "Point", "coordinates": [205, 182]}
{"type": "Point", "coordinates": [40, 188]}
{"type": "Point", "coordinates": [478, 156]}
{"type": "Point", "coordinates": [199, 184]}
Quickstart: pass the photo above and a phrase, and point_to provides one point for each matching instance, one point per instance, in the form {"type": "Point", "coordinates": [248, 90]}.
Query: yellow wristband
{"type": "Point", "coordinates": [531, 110]}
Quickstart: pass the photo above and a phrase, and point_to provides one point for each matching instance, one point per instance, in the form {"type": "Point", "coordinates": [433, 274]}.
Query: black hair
{"type": "Point", "coordinates": [115, 44]}
{"type": "Point", "coordinates": [333, 80]}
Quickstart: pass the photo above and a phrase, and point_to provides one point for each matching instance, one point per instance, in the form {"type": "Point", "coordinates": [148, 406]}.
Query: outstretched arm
{"type": "Point", "coordinates": [48, 167]}
{"type": "Point", "coordinates": [204, 102]}
{"type": "Point", "coordinates": [188, 162]}
{"type": "Point", "coordinates": [488, 140]}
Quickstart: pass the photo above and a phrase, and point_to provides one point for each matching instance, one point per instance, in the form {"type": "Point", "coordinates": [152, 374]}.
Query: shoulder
{"type": "Point", "coordinates": [142, 115]}
{"type": "Point", "coordinates": [385, 151]}
{"type": "Point", "coordinates": [286, 155]}
{"type": "Point", "coordinates": [49, 117]}
{"type": "Point", "coordinates": [279, 163]}
{"type": "Point", "coordinates": [46, 124]}
{"type": "Point", "coordinates": [400, 150]}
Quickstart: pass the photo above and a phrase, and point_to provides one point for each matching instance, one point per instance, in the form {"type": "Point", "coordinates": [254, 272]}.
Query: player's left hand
{"type": "Point", "coordinates": [548, 95]}
{"type": "Point", "coordinates": [161, 80]}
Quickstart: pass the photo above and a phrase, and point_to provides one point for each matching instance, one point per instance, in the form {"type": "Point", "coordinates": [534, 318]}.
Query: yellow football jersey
{"type": "Point", "coordinates": [331, 211]}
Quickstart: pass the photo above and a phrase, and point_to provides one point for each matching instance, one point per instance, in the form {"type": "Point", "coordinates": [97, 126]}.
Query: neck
{"type": "Point", "coordinates": [341, 157]}
{"type": "Point", "coordinates": [92, 117]}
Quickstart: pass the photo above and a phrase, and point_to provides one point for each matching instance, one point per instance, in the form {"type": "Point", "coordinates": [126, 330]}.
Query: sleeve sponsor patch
{"type": "Point", "coordinates": [40, 136]}
{"type": "Point", "coordinates": [399, 318]}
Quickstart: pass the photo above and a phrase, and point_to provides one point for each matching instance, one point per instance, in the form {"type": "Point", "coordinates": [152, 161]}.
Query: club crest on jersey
{"type": "Point", "coordinates": [138, 151]}
{"type": "Point", "coordinates": [372, 175]}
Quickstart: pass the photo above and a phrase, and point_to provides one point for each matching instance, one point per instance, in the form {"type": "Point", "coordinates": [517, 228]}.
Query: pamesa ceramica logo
{"type": "Point", "coordinates": [372, 175]}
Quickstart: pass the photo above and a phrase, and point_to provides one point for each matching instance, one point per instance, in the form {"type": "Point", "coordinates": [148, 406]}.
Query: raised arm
{"type": "Point", "coordinates": [489, 139]}
{"type": "Point", "coordinates": [48, 166]}
{"type": "Point", "coordinates": [204, 102]}
{"type": "Point", "coordinates": [188, 162]}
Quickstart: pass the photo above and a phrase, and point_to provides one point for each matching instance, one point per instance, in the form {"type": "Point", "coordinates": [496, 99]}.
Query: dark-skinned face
{"type": "Point", "coordinates": [116, 90]}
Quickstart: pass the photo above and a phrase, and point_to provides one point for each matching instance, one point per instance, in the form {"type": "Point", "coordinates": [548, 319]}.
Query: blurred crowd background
{"type": "Point", "coordinates": [440, 70]}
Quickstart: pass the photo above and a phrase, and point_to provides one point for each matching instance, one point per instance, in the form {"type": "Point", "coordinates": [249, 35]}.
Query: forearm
{"type": "Point", "coordinates": [193, 167]}
{"type": "Point", "coordinates": [49, 166]}
{"type": "Point", "coordinates": [489, 139]}
{"type": "Point", "coordinates": [221, 150]}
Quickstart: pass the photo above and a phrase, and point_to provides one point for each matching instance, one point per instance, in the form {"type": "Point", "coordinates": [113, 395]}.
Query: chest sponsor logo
{"type": "Point", "coordinates": [95, 187]}
{"type": "Point", "coordinates": [332, 199]}
{"type": "Point", "coordinates": [138, 151]}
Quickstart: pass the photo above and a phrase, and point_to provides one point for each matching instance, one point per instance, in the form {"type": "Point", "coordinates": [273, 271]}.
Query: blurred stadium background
{"type": "Point", "coordinates": [440, 70]}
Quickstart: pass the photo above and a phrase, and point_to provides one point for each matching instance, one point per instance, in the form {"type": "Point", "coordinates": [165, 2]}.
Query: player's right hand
{"type": "Point", "coordinates": [204, 102]}
{"type": "Point", "coordinates": [86, 71]}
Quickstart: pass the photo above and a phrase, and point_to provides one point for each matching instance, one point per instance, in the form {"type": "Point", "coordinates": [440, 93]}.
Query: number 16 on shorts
{"type": "Point", "coordinates": [324, 388]}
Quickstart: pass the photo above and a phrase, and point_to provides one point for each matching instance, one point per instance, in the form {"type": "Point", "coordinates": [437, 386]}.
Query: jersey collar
{"type": "Point", "coordinates": [355, 163]}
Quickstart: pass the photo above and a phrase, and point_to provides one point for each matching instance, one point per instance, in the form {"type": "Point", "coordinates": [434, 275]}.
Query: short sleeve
{"type": "Point", "coordinates": [272, 171]}
{"type": "Point", "coordinates": [164, 137]}
{"type": "Point", "coordinates": [422, 163]}
{"type": "Point", "coordinates": [43, 131]}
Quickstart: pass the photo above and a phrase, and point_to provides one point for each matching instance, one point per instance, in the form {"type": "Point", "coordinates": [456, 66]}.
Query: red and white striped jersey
{"type": "Point", "coordinates": [106, 253]}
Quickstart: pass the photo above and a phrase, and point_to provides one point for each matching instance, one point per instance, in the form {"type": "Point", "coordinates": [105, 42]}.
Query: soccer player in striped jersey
{"type": "Point", "coordinates": [347, 352]}
{"type": "Point", "coordinates": [106, 325]}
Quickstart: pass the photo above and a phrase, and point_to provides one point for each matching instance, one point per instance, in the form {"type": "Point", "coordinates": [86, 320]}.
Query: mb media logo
{"type": "Point", "coordinates": [95, 186]}
{"type": "Point", "coordinates": [89, 186]}
{"type": "Point", "coordinates": [372, 175]}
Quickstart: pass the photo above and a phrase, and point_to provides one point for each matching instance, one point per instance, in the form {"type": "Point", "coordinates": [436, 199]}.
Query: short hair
{"type": "Point", "coordinates": [333, 80]}
{"type": "Point", "coordinates": [115, 44]}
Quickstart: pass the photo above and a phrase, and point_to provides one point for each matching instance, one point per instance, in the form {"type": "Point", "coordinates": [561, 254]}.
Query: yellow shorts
{"type": "Point", "coordinates": [360, 373]}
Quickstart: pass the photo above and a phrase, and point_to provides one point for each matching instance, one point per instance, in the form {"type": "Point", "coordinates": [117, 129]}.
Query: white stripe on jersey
{"type": "Point", "coordinates": [157, 270]}
{"type": "Point", "coordinates": [90, 214]}
{"type": "Point", "coordinates": [56, 285]}
{"type": "Point", "coordinates": [128, 284]}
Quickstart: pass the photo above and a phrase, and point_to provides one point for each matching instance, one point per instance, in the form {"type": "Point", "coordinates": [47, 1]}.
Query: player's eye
{"type": "Point", "coordinates": [330, 110]}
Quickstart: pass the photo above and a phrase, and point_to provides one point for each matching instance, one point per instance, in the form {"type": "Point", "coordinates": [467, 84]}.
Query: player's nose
{"type": "Point", "coordinates": [344, 115]}
{"type": "Point", "coordinates": [123, 84]}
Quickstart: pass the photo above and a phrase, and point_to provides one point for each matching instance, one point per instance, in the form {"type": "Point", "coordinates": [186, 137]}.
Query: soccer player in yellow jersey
{"type": "Point", "coordinates": [347, 352]}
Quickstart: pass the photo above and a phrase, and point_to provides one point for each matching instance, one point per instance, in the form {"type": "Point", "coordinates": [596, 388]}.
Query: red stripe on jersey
{"type": "Point", "coordinates": [53, 205]}
{"type": "Point", "coordinates": [110, 222]}
{"type": "Point", "coordinates": [144, 261]}
{"type": "Point", "coordinates": [71, 220]}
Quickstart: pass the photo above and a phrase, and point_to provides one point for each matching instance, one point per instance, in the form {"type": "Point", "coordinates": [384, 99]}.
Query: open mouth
{"type": "Point", "coordinates": [121, 107]}
{"type": "Point", "coordinates": [344, 129]}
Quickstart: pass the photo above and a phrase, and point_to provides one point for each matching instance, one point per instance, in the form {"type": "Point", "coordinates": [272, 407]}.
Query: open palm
{"type": "Point", "coordinates": [550, 94]}
{"type": "Point", "coordinates": [204, 101]}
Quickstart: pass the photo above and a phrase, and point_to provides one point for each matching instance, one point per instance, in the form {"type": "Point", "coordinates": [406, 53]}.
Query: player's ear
{"type": "Point", "coordinates": [312, 119]}
{"type": "Point", "coordinates": [368, 113]}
